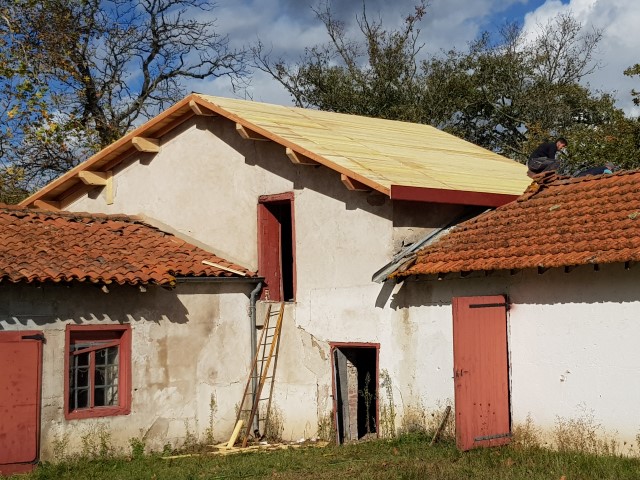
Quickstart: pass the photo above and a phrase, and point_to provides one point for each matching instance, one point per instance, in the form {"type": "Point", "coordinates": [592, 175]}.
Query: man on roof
{"type": "Point", "coordinates": [545, 157]}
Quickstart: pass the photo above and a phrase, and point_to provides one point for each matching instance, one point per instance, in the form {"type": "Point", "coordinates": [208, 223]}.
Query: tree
{"type": "Point", "coordinates": [632, 72]}
{"type": "Point", "coordinates": [75, 75]}
{"type": "Point", "coordinates": [506, 94]}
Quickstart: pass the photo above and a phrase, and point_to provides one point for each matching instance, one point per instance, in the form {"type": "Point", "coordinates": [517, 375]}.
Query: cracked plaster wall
{"type": "Point", "coordinates": [180, 341]}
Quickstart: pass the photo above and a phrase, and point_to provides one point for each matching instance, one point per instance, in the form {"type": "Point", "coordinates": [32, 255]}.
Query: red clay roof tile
{"type": "Point", "coordinates": [41, 246]}
{"type": "Point", "coordinates": [557, 222]}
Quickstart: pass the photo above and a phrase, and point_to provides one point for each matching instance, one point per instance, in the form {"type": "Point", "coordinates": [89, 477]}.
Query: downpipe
{"type": "Point", "coordinates": [252, 318]}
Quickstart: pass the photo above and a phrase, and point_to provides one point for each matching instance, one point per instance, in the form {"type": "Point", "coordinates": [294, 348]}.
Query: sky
{"type": "Point", "coordinates": [288, 26]}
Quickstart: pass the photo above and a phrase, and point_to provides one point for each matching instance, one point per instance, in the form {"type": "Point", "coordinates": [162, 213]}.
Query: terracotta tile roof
{"type": "Point", "coordinates": [36, 245]}
{"type": "Point", "coordinates": [557, 222]}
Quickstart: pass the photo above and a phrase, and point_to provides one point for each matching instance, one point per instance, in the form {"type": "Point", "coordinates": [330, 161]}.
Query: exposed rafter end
{"type": "Point", "coordinates": [200, 110]}
{"type": "Point", "coordinates": [465, 274]}
{"type": "Point", "coordinates": [569, 268]}
{"type": "Point", "coordinates": [47, 205]}
{"type": "Point", "coordinates": [250, 134]}
{"type": "Point", "coordinates": [441, 276]}
{"type": "Point", "coordinates": [541, 270]}
{"type": "Point", "coordinates": [513, 271]}
{"type": "Point", "coordinates": [488, 273]}
{"type": "Point", "coordinates": [99, 179]}
{"type": "Point", "coordinates": [355, 185]}
{"type": "Point", "coordinates": [596, 267]}
{"type": "Point", "coordinates": [628, 265]}
{"type": "Point", "coordinates": [146, 145]}
{"type": "Point", "coordinates": [299, 159]}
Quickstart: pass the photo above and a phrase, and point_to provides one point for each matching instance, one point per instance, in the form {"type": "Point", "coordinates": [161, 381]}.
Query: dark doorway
{"type": "Point", "coordinates": [355, 370]}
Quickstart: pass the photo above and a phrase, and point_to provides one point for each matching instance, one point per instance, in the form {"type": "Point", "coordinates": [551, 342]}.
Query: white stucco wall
{"type": "Point", "coordinates": [187, 345]}
{"type": "Point", "coordinates": [572, 340]}
{"type": "Point", "coordinates": [205, 183]}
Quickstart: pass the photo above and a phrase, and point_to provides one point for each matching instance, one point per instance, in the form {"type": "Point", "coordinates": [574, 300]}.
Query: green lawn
{"type": "Point", "coordinates": [406, 457]}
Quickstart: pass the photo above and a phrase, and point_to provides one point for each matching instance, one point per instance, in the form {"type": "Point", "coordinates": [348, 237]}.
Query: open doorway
{"type": "Point", "coordinates": [355, 375]}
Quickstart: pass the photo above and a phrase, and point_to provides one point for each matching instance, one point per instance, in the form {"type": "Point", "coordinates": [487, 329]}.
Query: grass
{"type": "Point", "coordinates": [406, 457]}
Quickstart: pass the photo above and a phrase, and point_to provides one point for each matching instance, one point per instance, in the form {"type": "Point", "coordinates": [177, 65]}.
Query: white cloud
{"type": "Point", "coordinates": [620, 45]}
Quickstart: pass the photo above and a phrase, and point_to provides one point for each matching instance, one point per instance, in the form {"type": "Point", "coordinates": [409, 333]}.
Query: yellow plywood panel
{"type": "Point", "coordinates": [385, 152]}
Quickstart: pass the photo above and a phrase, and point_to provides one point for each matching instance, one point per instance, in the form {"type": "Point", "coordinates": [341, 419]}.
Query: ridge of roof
{"type": "Point", "coordinates": [558, 222]}
{"type": "Point", "coordinates": [45, 246]}
{"type": "Point", "coordinates": [377, 153]}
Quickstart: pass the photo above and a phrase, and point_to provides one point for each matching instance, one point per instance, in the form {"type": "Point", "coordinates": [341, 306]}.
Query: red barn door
{"type": "Point", "coordinates": [20, 375]}
{"type": "Point", "coordinates": [481, 372]}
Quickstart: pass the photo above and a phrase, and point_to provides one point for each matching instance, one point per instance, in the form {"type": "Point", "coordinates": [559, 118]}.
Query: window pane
{"type": "Point", "coordinates": [105, 381]}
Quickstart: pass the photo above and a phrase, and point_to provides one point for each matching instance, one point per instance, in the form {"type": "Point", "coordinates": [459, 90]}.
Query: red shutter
{"type": "Point", "coordinates": [269, 256]}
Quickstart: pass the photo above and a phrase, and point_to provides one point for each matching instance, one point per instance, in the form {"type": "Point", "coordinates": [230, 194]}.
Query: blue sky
{"type": "Point", "coordinates": [290, 25]}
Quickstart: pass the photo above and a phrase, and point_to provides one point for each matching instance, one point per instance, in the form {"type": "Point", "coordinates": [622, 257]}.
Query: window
{"type": "Point", "coordinates": [98, 371]}
{"type": "Point", "coordinates": [276, 246]}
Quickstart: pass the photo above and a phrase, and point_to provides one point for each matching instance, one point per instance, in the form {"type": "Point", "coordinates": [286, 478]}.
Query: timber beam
{"type": "Point", "coordinates": [147, 145]}
{"type": "Point", "coordinates": [248, 134]}
{"type": "Point", "coordinates": [99, 179]}
{"type": "Point", "coordinates": [354, 185]}
{"type": "Point", "coordinates": [299, 159]}
{"type": "Point", "coordinates": [199, 110]}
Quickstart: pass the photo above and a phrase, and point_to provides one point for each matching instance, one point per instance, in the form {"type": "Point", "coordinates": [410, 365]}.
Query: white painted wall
{"type": "Point", "coordinates": [573, 344]}
{"type": "Point", "coordinates": [205, 183]}
{"type": "Point", "coordinates": [187, 344]}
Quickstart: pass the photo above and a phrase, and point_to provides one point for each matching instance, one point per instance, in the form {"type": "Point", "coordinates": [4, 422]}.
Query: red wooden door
{"type": "Point", "coordinates": [269, 254]}
{"type": "Point", "coordinates": [481, 372]}
{"type": "Point", "coordinates": [20, 375]}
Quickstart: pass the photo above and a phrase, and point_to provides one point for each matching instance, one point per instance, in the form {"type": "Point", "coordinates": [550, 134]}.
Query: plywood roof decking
{"type": "Point", "coordinates": [376, 152]}
{"type": "Point", "coordinates": [383, 151]}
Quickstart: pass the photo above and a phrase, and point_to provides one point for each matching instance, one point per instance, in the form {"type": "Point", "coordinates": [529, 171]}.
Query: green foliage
{"type": "Point", "coordinates": [137, 447]}
{"type": "Point", "coordinates": [76, 75]}
{"type": "Point", "coordinates": [633, 72]}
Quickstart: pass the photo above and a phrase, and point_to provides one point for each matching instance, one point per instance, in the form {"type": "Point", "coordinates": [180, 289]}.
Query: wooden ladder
{"type": "Point", "coordinates": [266, 352]}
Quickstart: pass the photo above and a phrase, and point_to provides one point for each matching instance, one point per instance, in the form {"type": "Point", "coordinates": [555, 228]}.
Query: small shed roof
{"type": "Point", "coordinates": [558, 222]}
{"type": "Point", "coordinates": [405, 161]}
{"type": "Point", "coordinates": [42, 246]}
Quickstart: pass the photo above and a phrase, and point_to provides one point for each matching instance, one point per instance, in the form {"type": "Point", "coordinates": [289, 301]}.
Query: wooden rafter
{"type": "Point", "coordinates": [354, 185]}
{"type": "Point", "coordinates": [248, 134]}
{"type": "Point", "coordinates": [200, 110]}
{"type": "Point", "coordinates": [147, 145]}
{"type": "Point", "coordinates": [99, 179]}
{"type": "Point", "coordinates": [298, 158]}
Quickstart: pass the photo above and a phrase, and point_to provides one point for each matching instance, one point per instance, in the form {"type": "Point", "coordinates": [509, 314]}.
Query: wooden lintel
{"type": "Point", "coordinates": [352, 184]}
{"type": "Point", "coordinates": [299, 159]}
{"type": "Point", "coordinates": [47, 205]}
{"type": "Point", "coordinates": [99, 179]}
{"type": "Point", "coordinates": [249, 134]}
{"type": "Point", "coordinates": [147, 145]}
{"type": "Point", "coordinates": [200, 110]}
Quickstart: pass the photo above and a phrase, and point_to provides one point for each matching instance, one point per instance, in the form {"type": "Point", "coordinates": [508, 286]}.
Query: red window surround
{"type": "Point", "coordinates": [97, 372]}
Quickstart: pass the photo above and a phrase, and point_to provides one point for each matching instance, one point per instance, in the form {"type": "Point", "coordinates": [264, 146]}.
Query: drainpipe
{"type": "Point", "coordinates": [252, 319]}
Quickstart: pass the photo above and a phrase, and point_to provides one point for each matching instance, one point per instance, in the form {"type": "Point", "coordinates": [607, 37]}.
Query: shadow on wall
{"type": "Point", "coordinates": [45, 304]}
{"type": "Point", "coordinates": [612, 284]}
{"type": "Point", "coordinates": [271, 156]}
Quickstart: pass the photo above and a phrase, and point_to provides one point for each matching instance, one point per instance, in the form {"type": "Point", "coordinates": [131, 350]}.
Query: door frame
{"type": "Point", "coordinates": [335, 345]}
